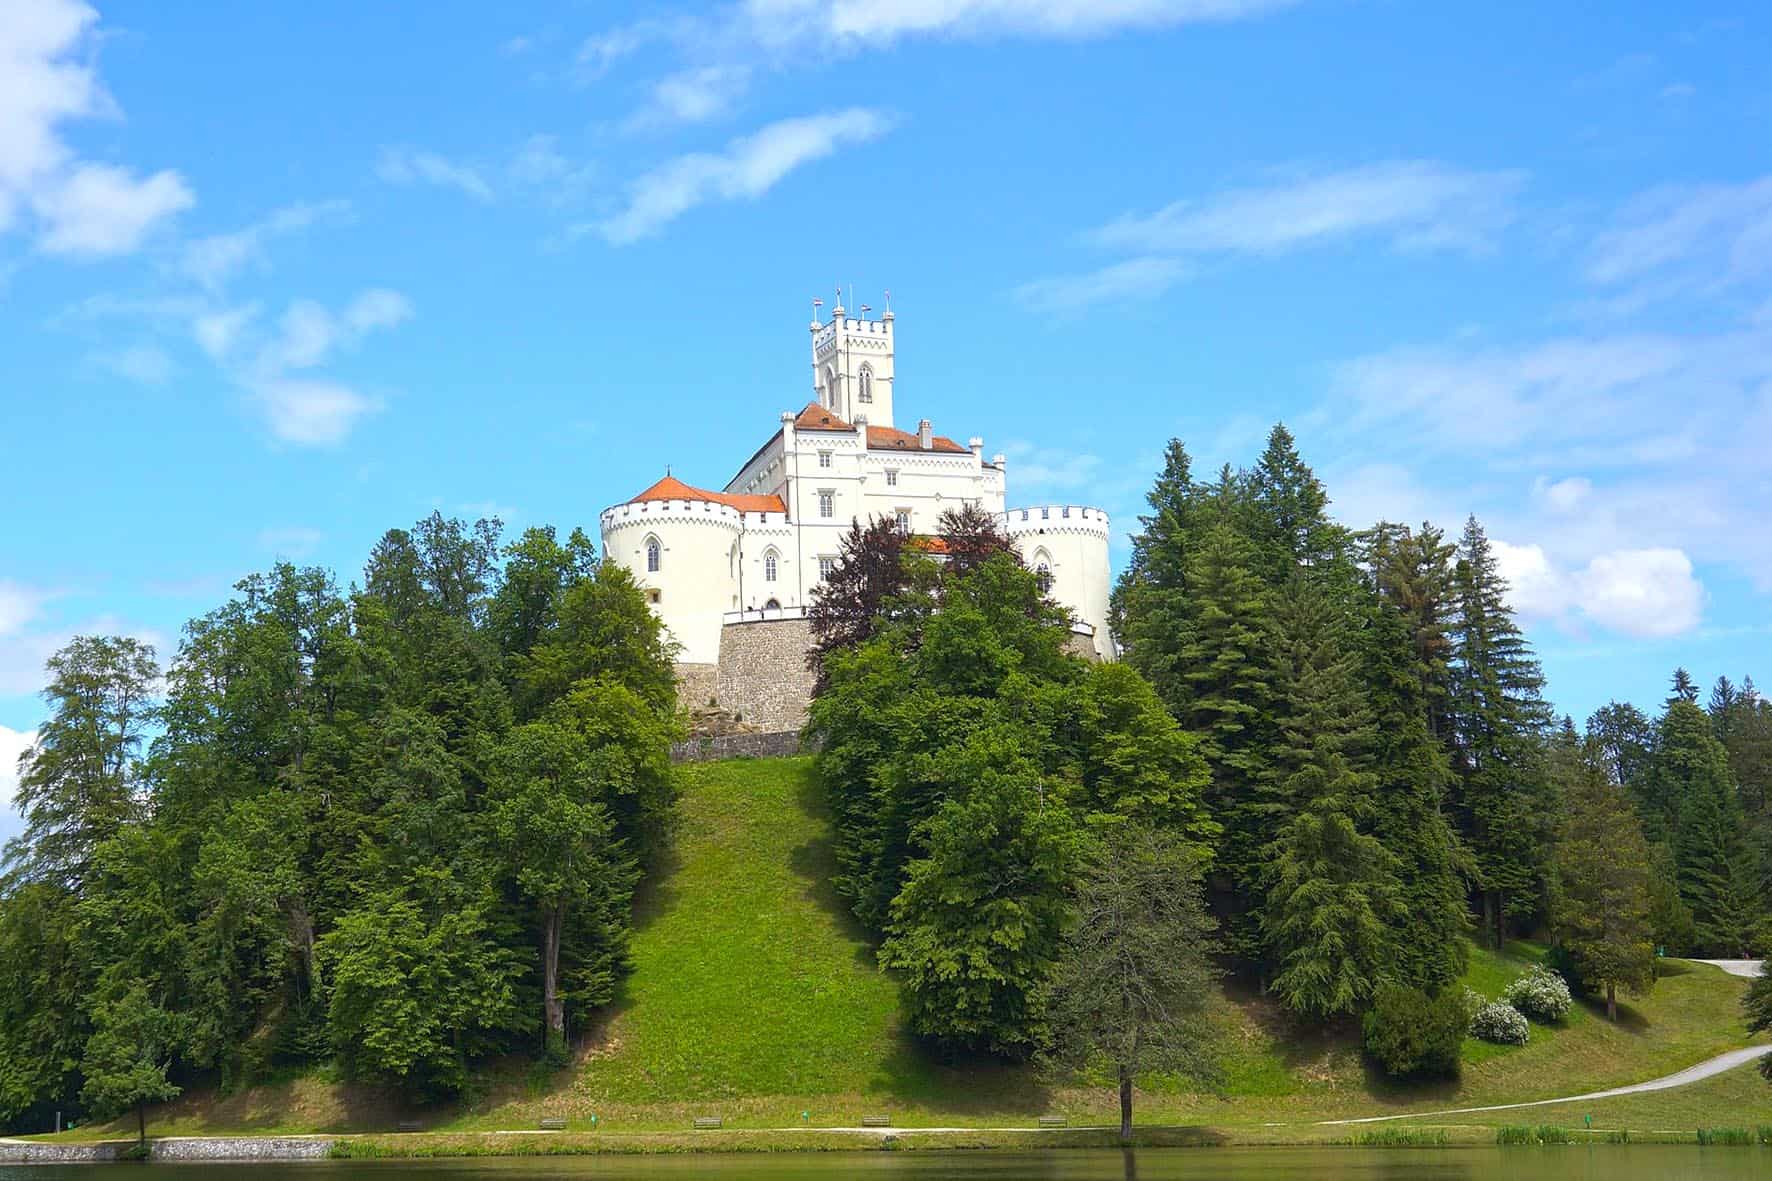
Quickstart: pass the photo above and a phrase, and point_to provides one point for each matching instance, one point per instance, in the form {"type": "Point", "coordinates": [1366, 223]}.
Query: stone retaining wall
{"type": "Point", "coordinates": [240, 1148]}
{"type": "Point", "coordinates": [34, 1152]}
{"type": "Point", "coordinates": [775, 744]}
{"type": "Point", "coordinates": [763, 678]}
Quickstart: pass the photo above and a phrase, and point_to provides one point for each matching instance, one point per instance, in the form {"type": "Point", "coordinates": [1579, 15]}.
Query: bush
{"type": "Point", "coordinates": [1541, 994]}
{"type": "Point", "coordinates": [1501, 1023]}
{"type": "Point", "coordinates": [1563, 964]}
{"type": "Point", "coordinates": [1408, 1032]}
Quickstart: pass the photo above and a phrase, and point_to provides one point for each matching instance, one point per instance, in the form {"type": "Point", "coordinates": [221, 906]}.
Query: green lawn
{"type": "Point", "coordinates": [754, 996]}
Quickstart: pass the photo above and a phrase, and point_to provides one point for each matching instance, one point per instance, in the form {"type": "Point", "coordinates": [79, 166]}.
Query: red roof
{"type": "Point", "coordinates": [671, 488]}
{"type": "Point", "coordinates": [885, 438]}
{"type": "Point", "coordinates": [817, 418]}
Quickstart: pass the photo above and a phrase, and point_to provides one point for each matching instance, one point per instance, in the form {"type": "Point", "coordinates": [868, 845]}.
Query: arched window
{"type": "Point", "coordinates": [865, 390]}
{"type": "Point", "coordinates": [772, 605]}
{"type": "Point", "coordinates": [653, 551]}
{"type": "Point", "coordinates": [830, 389]}
{"type": "Point", "coordinates": [769, 566]}
{"type": "Point", "coordinates": [1043, 571]}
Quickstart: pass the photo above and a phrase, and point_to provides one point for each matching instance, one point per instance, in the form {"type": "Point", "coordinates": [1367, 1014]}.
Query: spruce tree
{"type": "Point", "coordinates": [1602, 908]}
{"type": "Point", "coordinates": [1498, 719]}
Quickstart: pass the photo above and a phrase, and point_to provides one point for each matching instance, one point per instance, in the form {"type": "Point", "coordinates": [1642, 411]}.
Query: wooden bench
{"type": "Point", "coordinates": [707, 1123]}
{"type": "Point", "coordinates": [876, 1121]}
{"type": "Point", "coordinates": [409, 1125]}
{"type": "Point", "coordinates": [553, 1123]}
{"type": "Point", "coordinates": [1054, 1121]}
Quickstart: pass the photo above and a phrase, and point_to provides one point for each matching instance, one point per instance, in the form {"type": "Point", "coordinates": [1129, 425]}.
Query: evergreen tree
{"type": "Point", "coordinates": [1626, 740]}
{"type": "Point", "coordinates": [1332, 897]}
{"type": "Point", "coordinates": [1498, 719]}
{"type": "Point", "coordinates": [1291, 507]}
{"type": "Point", "coordinates": [1602, 911]}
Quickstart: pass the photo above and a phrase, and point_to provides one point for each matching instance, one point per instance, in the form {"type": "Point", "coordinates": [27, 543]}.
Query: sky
{"type": "Point", "coordinates": [277, 278]}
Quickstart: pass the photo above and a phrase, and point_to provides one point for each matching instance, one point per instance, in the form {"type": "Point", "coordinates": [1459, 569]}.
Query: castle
{"type": "Point", "coordinates": [730, 573]}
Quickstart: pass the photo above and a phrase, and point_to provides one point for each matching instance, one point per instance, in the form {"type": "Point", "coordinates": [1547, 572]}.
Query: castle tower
{"type": "Point", "coordinates": [852, 366]}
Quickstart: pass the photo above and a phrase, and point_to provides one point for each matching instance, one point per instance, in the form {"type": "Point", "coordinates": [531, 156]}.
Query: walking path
{"type": "Point", "coordinates": [1748, 968]}
{"type": "Point", "coordinates": [1691, 1074]}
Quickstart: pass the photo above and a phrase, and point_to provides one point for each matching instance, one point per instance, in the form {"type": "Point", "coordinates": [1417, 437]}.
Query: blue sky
{"type": "Point", "coordinates": [274, 278]}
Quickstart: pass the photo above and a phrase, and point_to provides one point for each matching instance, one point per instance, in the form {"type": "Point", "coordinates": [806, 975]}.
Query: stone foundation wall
{"type": "Point", "coordinates": [697, 684]}
{"type": "Point", "coordinates": [763, 678]}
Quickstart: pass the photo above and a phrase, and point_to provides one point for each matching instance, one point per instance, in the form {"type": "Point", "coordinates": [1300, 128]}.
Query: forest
{"type": "Point", "coordinates": [395, 830]}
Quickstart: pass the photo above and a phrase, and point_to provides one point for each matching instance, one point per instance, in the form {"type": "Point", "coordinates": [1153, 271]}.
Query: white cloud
{"type": "Point", "coordinates": [98, 210]}
{"type": "Point", "coordinates": [406, 166]}
{"type": "Point", "coordinates": [1135, 278]}
{"type": "Point", "coordinates": [312, 413]}
{"type": "Point", "coordinates": [19, 605]}
{"type": "Point", "coordinates": [13, 743]}
{"type": "Point", "coordinates": [1050, 468]}
{"type": "Point", "coordinates": [1648, 593]}
{"type": "Point", "coordinates": [1413, 204]}
{"type": "Point", "coordinates": [539, 165]}
{"type": "Point", "coordinates": [83, 209]}
{"type": "Point", "coordinates": [308, 334]}
{"type": "Point", "coordinates": [1677, 239]}
{"type": "Point", "coordinates": [880, 22]}
{"type": "Point", "coordinates": [749, 167]}
{"type": "Point", "coordinates": [694, 96]}
{"type": "Point", "coordinates": [215, 259]}
{"type": "Point", "coordinates": [218, 331]}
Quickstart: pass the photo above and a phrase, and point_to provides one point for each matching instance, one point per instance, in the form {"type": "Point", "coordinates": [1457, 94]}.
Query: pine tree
{"type": "Point", "coordinates": [1290, 507]}
{"type": "Point", "coordinates": [1413, 573]}
{"type": "Point", "coordinates": [1603, 903]}
{"type": "Point", "coordinates": [1151, 608]}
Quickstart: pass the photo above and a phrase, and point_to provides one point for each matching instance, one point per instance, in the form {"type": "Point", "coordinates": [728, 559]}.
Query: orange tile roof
{"type": "Point", "coordinates": [817, 418]}
{"type": "Point", "coordinates": [885, 438]}
{"type": "Point", "coordinates": [671, 488]}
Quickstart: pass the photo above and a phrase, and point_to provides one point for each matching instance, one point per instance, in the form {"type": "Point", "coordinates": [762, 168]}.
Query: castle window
{"type": "Point", "coordinates": [1043, 572]}
{"type": "Point", "coordinates": [652, 595]}
{"type": "Point", "coordinates": [769, 566]}
{"type": "Point", "coordinates": [891, 477]}
{"type": "Point", "coordinates": [827, 503]}
{"type": "Point", "coordinates": [824, 459]}
{"type": "Point", "coordinates": [866, 391]}
{"type": "Point", "coordinates": [826, 566]}
{"type": "Point", "coordinates": [904, 521]}
{"type": "Point", "coordinates": [772, 605]}
{"type": "Point", "coordinates": [652, 555]}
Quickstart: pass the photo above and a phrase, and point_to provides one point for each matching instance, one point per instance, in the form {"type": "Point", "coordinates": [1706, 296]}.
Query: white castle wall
{"type": "Point", "coordinates": [697, 577]}
{"type": "Point", "coordinates": [1072, 540]}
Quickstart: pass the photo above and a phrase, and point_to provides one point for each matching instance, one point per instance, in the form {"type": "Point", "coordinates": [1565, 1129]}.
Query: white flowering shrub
{"type": "Point", "coordinates": [1541, 994]}
{"type": "Point", "coordinates": [1500, 1022]}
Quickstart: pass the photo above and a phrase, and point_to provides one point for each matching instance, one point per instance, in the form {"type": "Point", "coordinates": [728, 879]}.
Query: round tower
{"type": "Point", "coordinates": [1066, 545]}
{"type": "Point", "coordinates": [683, 550]}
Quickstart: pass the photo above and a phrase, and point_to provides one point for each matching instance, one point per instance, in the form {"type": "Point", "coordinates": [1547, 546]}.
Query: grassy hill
{"type": "Point", "coordinates": [755, 997]}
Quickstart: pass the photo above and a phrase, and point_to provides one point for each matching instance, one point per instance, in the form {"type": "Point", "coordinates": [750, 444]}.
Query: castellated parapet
{"type": "Point", "coordinates": [1067, 546]}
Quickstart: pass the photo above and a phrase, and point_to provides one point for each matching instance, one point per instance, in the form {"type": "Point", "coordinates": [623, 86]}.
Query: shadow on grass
{"type": "Point", "coordinates": [815, 864]}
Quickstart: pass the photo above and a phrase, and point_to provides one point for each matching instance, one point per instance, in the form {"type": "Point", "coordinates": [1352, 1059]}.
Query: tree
{"type": "Point", "coordinates": [1626, 740]}
{"type": "Point", "coordinates": [1758, 1006]}
{"type": "Point", "coordinates": [126, 1059]}
{"type": "Point", "coordinates": [1601, 908]}
{"type": "Point", "coordinates": [1132, 979]}
{"type": "Point", "coordinates": [1332, 898]}
{"type": "Point", "coordinates": [850, 604]}
{"type": "Point", "coordinates": [970, 537]}
{"type": "Point", "coordinates": [1498, 721]}
{"type": "Point", "coordinates": [77, 784]}
{"type": "Point", "coordinates": [977, 927]}
{"type": "Point", "coordinates": [1291, 505]}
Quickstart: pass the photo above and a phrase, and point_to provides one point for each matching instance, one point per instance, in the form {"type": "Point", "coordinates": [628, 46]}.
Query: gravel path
{"type": "Point", "coordinates": [1748, 968]}
{"type": "Point", "coordinates": [1691, 1074]}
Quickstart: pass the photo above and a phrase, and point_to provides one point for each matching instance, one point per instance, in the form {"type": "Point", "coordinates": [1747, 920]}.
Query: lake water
{"type": "Point", "coordinates": [1597, 1163]}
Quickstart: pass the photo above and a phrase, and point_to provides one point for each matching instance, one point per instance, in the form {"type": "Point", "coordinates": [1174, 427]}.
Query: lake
{"type": "Point", "coordinates": [1598, 1163]}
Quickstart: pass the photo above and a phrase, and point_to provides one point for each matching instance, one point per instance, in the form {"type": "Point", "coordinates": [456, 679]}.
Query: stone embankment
{"type": "Point", "coordinates": [174, 1148]}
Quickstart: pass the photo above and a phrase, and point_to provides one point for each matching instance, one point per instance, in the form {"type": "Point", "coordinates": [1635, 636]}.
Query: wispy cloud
{"type": "Point", "coordinates": [881, 22]}
{"type": "Point", "coordinates": [214, 260]}
{"type": "Point", "coordinates": [80, 209]}
{"type": "Point", "coordinates": [1135, 278]}
{"type": "Point", "coordinates": [1411, 204]}
{"type": "Point", "coordinates": [1677, 240]}
{"type": "Point", "coordinates": [748, 167]}
{"type": "Point", "coordinates": [144, 364]}
{"type": "Point", "coordinates": [411, 166]}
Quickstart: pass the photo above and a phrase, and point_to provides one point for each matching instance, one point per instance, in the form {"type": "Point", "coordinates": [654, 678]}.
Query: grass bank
{"type": "Point", "coordinates": [754, 997]}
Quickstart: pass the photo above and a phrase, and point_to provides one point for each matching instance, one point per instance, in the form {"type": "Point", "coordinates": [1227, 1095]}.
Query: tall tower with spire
{"type": "Point", "coordinates": [852, 365]}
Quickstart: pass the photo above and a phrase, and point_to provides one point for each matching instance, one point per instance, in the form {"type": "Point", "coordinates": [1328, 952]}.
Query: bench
{"type": "Point", "coordinates": [553, 1123]}
{"type": "Point", "coordinates": [409, 1125]}
{"type": "Point", "coordinates": [706, 1123]}
{"type": "Point", "coordinates": [876, 1121]}
{"type": "Point", "coordinates": [1054, 1121]}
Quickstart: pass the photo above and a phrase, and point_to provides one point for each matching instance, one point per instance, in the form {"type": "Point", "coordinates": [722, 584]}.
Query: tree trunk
{"type": "Point", "coordinates": [553, 1011]}
{"type": "Point", "coordinates": [1488, 913]}
{"type": "Point", "coordinates": [1611, 1001]}
{"type": "Point", "coordinates": [1125, 1106]}
{"type": "Point", "coordinates": [141, 1124]}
